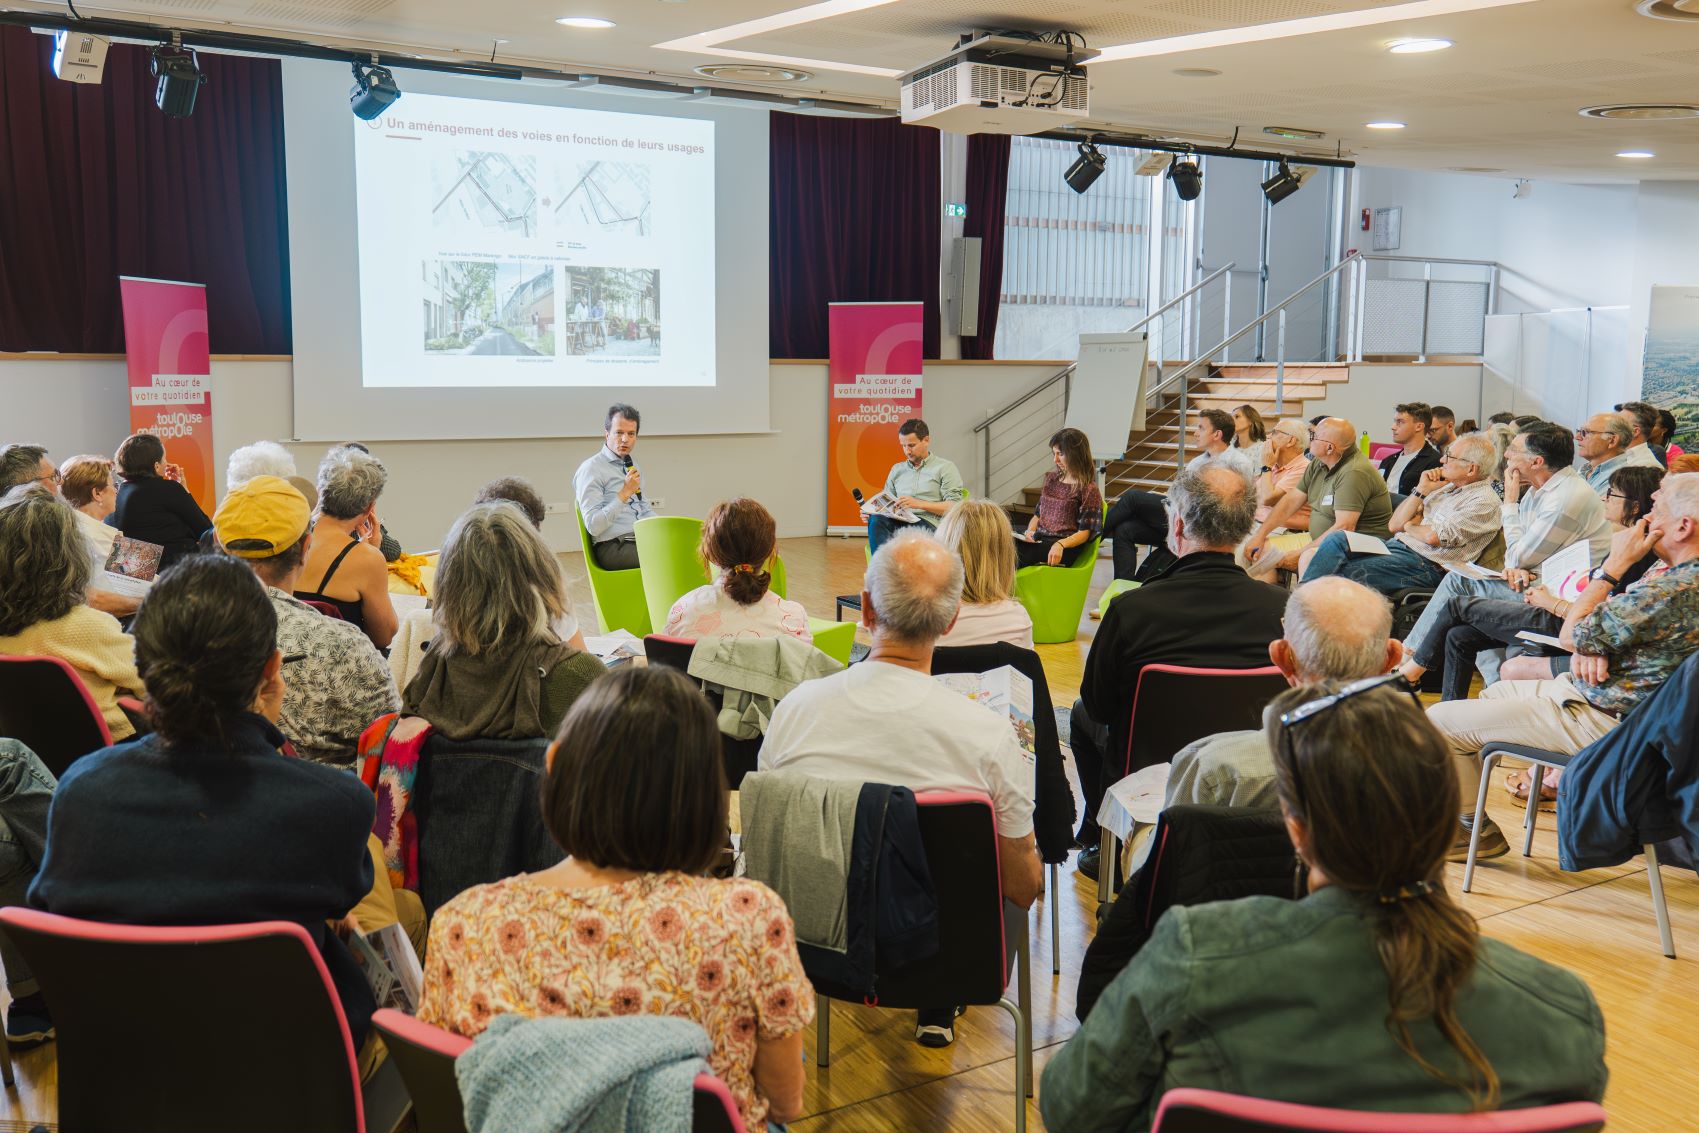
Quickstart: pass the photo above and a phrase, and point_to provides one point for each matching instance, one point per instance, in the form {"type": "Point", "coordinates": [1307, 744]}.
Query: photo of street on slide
{"type": "Point", "coordinates": [484, 307]}
{"type": "Point", "coordinates": [613, 311]}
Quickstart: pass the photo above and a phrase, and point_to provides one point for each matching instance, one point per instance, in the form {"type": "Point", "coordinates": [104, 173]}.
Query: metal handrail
{"type": "Point", "coordinates": [1426, 260]}
{"type": "Point", "coordinates": [1071, 366]}
{"type": "Point", "coordinates": [1278, 310]}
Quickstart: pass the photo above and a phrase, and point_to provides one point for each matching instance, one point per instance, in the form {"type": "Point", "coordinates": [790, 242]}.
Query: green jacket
{"type": "Point", "coordinates": [1286, 1000]}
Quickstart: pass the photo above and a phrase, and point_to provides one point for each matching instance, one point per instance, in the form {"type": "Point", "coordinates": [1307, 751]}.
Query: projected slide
{"type": "Point", "coordinates": [506, 244]}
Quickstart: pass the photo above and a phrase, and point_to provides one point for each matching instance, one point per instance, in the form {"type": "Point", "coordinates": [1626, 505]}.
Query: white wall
{"type": "Point", "coordinates": [1565, 245]}
{"type": "Point", "coordinates": [75, 406]}
{"type": "Point", "coordinates": [1666, 238]}
{"type": "Point", "coordinates": [1375, 387]}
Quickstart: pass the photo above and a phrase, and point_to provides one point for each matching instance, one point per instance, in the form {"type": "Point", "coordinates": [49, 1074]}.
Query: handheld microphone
{"type": "Point", "coordinates": [627, 459]}
{"type": "Point", "coordinates": [856, 492]}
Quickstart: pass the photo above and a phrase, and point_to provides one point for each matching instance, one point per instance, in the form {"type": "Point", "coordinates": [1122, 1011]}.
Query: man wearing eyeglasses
{"type": "Point", "coordinates": [1603, 445]}
{"type": "Point", "coordinates": [1626, 645]}
{"type": "Point", "coordinates": [1450, 516]}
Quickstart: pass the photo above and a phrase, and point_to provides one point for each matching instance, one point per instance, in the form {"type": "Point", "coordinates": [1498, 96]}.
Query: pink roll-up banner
{"type": "Point", "coordinates": [165, 343]}
{"type": "Point", "coordinates": [873, 377]}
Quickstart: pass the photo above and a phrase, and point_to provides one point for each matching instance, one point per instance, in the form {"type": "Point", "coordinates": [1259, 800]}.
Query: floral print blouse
{"type": "Point", "coordinates": [722, 953]}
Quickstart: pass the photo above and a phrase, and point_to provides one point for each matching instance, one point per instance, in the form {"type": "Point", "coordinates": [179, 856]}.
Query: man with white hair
{"type": "Point", "coordinates": [886, 720]}
{"type": "Point", "coordinates": [1336, 630]}
{"type": "Point", "coordinates": [262, 458]}
{"type": "Point", "coordinates": [1625, 647]}
{"type": "Point", "coordinates": [1285, 453]}
{"type": "Point", "coordinates": [1449, 516]}
{"type": "Point", "coordinates": [1602, 444]}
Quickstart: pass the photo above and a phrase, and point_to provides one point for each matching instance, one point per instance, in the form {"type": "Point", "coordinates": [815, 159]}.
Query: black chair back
{"type": "Point", "coordinates": [739, 756]}
{"type": "Point", "coordinates": [959, 831]}
{"type": "Point", "coordinates": [257, 1039]}
{"type": "Point", "coordinates": [479, 819]}
{"type": "Point", "coordinates": [425, 1056]}
{"type": "Point", "coordinates": [1175, 705]}
{"type": "Point", "coordinates": [44, 705]}
{"type": "Point", "coordinates": [673, 652]}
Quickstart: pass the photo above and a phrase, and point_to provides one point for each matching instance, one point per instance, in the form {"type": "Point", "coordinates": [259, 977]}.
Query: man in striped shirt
{"type": "Point", "coordinates": [1547, 507]}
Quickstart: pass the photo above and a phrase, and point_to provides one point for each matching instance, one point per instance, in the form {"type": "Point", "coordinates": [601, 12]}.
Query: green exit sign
{"type": "Point", "coordinates": [955, 211]}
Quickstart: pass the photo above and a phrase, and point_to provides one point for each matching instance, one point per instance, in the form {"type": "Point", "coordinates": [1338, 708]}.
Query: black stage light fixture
{"type": "Point", "coordinates": [179, 78]}
{"type": "Point", "coordinates": [1282, 185]}
{"type": "Point", "coordinates": [374, 90]}
{"type": "Point", "coordinates": [1187, 178]}
{"type": "Point", "coordinates": [1087, 167]}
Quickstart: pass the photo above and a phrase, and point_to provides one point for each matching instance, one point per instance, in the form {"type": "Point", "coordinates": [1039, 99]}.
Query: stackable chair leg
{"type": "Point", "coordinates": [1023, 973]}
{"type": "Point", "coordinates": [1659, 909]}
{"type": "Point", "coordinates": [11, 1082]}
{"type": "Point", "coordinates": [1055, 924]}
{"type": "Point", "coordinates": [1023, 1060]}
{"type": "Point", "coordinates": [1536, 784]}
{"type": "Point", "coordinates": [1488, 763]}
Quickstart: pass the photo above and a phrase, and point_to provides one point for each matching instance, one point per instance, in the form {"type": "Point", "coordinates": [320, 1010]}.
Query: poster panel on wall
{"type": "Point", "coordinates": [165, 344]}
{"type": "Point", "coordinates": [1670, 372]}
{"type": "Point", "coordinates": [873, 377]}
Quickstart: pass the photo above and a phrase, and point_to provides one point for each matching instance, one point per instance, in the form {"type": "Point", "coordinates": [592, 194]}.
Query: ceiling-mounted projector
{"type": "Point", "coordinates": [998, 83]}
{"type": "Point", "coordinates": [79, 57]}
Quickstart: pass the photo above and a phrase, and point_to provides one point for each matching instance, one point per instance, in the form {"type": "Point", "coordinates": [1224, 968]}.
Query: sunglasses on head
{"type": "Point", "coordinates": [1310, 709]}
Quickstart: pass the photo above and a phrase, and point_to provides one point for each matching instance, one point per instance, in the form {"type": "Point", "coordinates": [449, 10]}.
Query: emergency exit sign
{"type": "Point", "coordinates": [955, 211]}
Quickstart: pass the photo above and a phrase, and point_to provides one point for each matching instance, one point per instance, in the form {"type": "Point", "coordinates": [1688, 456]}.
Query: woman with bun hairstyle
{"type": "Point", "coordinates": [1372, 989]}
{"type": "Point", "coordinates": [208, 820]}
{"type": "Point", "coordinates": [738, 540]}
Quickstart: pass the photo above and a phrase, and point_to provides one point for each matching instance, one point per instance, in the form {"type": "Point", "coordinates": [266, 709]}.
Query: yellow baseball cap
{"type": "Point", "coordinates": [260, 518]}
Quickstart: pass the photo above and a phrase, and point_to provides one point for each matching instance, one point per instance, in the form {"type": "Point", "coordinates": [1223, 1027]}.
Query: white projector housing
{"type": "Point", "coordinates": [79, 57]}
{"type": "Point", "coordinates": [999, 84]}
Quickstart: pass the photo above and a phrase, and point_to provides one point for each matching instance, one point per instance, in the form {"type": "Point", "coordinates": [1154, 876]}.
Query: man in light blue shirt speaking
{"type": "Point", "coordinates": [927, 485]}
{"type": "Point", "coordinates": [610, 493]}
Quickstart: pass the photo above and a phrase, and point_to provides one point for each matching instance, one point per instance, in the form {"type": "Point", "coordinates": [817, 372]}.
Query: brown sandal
{"type": "Point", "coordinates": [1516, 786]}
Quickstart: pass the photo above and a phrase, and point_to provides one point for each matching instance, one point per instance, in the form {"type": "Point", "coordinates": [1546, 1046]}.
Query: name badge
{"type": "Point", "coordinates": [1328, 501]}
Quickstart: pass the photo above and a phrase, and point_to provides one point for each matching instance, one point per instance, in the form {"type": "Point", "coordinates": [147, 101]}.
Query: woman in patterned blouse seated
{"type": "Point", "coordinates": [738, 539]}
{"type": "Point", "coordinates": [1070, 509]}
{"type": "Point", "coordinates": [628, 923]}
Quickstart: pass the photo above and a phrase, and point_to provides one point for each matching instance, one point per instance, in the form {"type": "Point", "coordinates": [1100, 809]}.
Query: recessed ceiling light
{"type": "Point", "coordinates": [1668, 9]}
{"type": "Point", "coordinates": [753, 73]}
{"type": "Point", "coordinates": [1384, 125]}
{"type": "Point", "coordinates": [1196, 72]}
{"type": "Point", "coordinates": [1641, 112]}
{"type": "Point", "coordinates": [1417, 46]}
{"type": "Point", "coordinates": [1640, 153]}
{"type": "Point", "coordinates": [584, 22]}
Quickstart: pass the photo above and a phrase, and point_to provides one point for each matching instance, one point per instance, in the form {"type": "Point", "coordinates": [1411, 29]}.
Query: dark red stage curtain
{"type": "Point", "coordinates": [987, 200]}
{"type": "Point", "coordinates": [96, 183]}
{"type": "Point", "coordinates": [855, 217]}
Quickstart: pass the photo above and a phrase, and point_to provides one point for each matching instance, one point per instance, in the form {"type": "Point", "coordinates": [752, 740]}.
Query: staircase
{"type": "Point", "coordinates": [1153, 452]}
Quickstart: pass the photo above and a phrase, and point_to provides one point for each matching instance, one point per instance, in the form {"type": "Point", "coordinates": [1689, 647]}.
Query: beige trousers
{"type": "Point", "coordinates": [1544, 714]}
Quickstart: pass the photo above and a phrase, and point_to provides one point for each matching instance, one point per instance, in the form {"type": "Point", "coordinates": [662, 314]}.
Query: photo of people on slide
{"type": "Point", "coordinates": [488, 307]}
{"type": "Point", "coordinates": [613, 311]}
{"type": "Point", "coordinates": [479, 193]}
{"type": "Point", "coordinates": [598, 198]}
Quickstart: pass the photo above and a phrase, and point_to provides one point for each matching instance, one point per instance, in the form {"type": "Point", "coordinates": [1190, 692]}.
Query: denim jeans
{"type": "Point", "coordinates": [1399, 569]}
{"type": "Point", "coordinates": [881, 530]}
{"type": "Point", "coordinates": [1424, 641]}
{"type": "Point", "coordinates": [26, 790]}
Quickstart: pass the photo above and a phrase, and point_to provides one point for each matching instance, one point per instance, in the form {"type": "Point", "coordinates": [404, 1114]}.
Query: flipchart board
{"type": "Point", "coordinates": [1106, 400]}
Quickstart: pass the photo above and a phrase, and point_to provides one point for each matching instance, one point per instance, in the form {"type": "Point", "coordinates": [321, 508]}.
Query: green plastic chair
{"type": "Point", "coordinates": [834, 639]}
{"type": "Point", "coordinates": [618, 593]}
{"type": "Point", "coordinates": [1055, 595]}
{"type": "Point", "coordinates": [1115, 588]}
{"type": "Point", "coordinates": [667, 546]}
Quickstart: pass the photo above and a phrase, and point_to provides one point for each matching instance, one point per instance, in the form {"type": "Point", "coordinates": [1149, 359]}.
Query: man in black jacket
{"type": "Point", "coordinates": [1203, 611]}
{"type": "Point", "coordinates": [1403, 469]}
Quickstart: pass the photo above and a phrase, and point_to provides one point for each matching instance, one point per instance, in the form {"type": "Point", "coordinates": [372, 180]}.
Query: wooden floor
{"type": "Point", "coordinates": [1598, 924]}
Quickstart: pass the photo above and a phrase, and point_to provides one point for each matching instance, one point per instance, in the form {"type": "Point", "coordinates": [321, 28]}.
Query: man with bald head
{"type": "Point", "coordinates": [1602, 444]}
{"type": "Point", "coordinates": [1203, 611]}
{"type": "Point", "coordinates": [886, 720]}
{"type": "Point", "coordinates": [1343, 490]}
{"type": "Point", "coordinates": [1336, 630]}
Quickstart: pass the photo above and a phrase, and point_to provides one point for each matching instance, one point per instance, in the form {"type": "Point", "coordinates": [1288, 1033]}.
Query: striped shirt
{"type": "Point", "coordinates": [1564, 510]}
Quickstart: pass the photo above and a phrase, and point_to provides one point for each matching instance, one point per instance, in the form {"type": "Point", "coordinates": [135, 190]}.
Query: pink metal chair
{"type": "Point", "coordinates": [977, 941]}
{"type": "Point", "coordinates": [426, 1054]}
{"type": "Point", "coordinates": [45, 706]}
{"type": "Point", "coordinates": [258, 1038]}
{"type": "Point", "coordinates": [1187, 1110]}
{"type": "Point", "coordinates": [1175, 705]}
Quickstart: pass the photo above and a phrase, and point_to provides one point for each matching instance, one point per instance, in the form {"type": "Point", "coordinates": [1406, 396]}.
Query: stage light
{"type": "Point", "coordinates": [1282, 185]}
{"type": "Point", "coordinates": [79, 57]}
{"type": "Point", "coordinates": [1087, 167]}
{"type": "Point", "coordinates": [374, 91]}
{"type": "Point", "coordinates": [179, 78]}
{"type": "Point", "coordinates": [1187, 178]}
